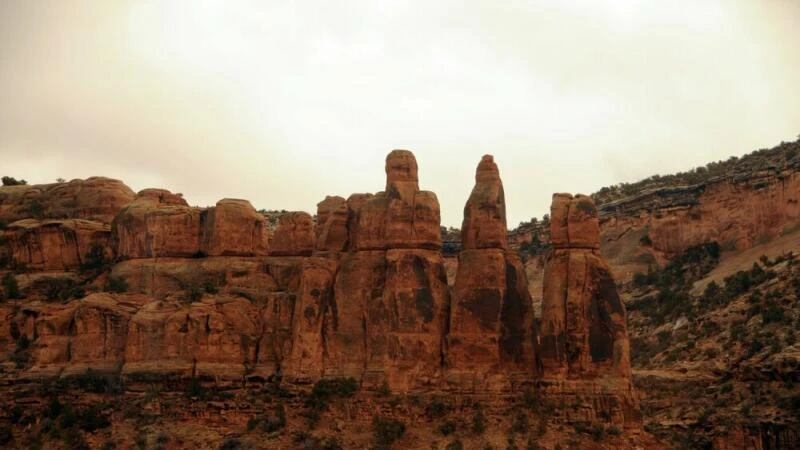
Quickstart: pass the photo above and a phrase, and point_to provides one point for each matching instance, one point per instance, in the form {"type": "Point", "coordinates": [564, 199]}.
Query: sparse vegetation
{"type": "Point", "coordinates": [11, 287]}
{"type": "Point", "coordinates": [116, 285]}
{"type": "Point", "coordinates": [326, 390]}
{"type": "Point", "coordinates": [386, 431]}
{"type": "Point", "coordinates": [11, 181]}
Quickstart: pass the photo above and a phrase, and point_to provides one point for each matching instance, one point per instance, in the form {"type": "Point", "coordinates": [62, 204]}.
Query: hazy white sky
{"type": "Point", "coordinates": [283, 103]}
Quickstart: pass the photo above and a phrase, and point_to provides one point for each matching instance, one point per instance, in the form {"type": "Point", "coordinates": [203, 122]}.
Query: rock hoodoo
{"type": "Point", "coordinates": [584, 330]}
{"type": "Point", "coordinates": [490, 344]}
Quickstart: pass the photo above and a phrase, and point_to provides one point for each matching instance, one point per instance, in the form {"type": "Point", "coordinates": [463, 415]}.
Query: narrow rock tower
{"type": "Point", "coordinates": [490, 343]}
{"type": "Point", "coordinates": [584, 331]}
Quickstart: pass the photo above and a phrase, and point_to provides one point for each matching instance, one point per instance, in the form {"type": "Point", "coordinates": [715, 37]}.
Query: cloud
{"type": "Point", "coordinates": [286, 102]}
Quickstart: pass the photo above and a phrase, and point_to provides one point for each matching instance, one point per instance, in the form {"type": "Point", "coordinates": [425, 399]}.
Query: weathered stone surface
{"type": "Point", "coordinates": [574, 222]}
{"type": "Point", "coordinates": [406, 324]}
{"type": "Point", "coordinates": [332, 214]}
{"type": "Point", "coordinates": [294, 235]}
{"type": "Point", "coordinates": [584, 329]}
{"type": "Point", "coordinates": [314, 319]}
{"type": "Point", "coordinates": [54, 244]}
{"type": "Point", "coordinates": [484, 223]}
{"type": "Point", "coordinates": [400, 217]}
{"type": "Point", "coordinates": [234, 228]}
{"type": "Point", "coordinates": [157, 224]}
{"type": "Point", "coordinates": [490, 345]}
{"type": "Point", "coordinates": [252, 278]}
{"type": "Point", "coordinates": [360, 279]}
{"type": "Point", "coordinates": [213, 338]}
{"type": "Point", "coordinates": [96, 198]}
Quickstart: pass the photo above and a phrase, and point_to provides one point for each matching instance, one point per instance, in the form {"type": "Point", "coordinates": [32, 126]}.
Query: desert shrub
{"type": "Point", "coordinates": [386, 431]}
{"type": "Point", "coordinates": [11, 181]}
{"type": "Point", "coordinates": [11, 287]}
{"type": "Point", "coordinates": [447, 428]}
{"type": "Point", "coordinates": [95, 259]}
{"type": "Point", "coordinates": [479, 422]}
{"type": "Point", "coordinates": [117, 285]}
{"type": "Point", "coordinates": [437, 408]}
{"type": "Point", "coordinates": [455, 445]}
{"type": "Point", "coordinates": [269, 423]}
{"type": "Point", "coordinates": [5, 435]}
{"type": "Point", "coordinates": [230, 443]}
{"type": "Point", "coordinates": [210, 288]}
{"type": "Point", "coordinates": [91, 381]}
{"type": "Point", "coordinates": [59, 288]}
{"type": "Point", "coordinates": [307, 441]}
{"type": "Point", "coordinates": [326, 390]}
{"type": "Point", "coordinates": [193, 293]}
{"type": "Point", "coordinates": [35, 210]}
{"type": "Point", "coordinates": [520, 422]}
{"type": "Point", "coordinates": [92, 419]}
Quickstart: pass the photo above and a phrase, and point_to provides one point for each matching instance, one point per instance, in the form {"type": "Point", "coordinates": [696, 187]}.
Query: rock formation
{"type": "Point", "coordinates": [294, 235]}
{"type": "Point", "coordinates": [331, 231]}
{"type": "Point", "coordinates": [583, 329]}
{"type": "Point", "coordinates": [161, 224]}
{"type": "Point", "coordinates": [234, 228]}
{"type": "Point", "coordinates": [96, 198]}
{"type": "Point", "coordinates": [491, 335]}
{"type": "Point", "coordinates": [380, 310]}
{"type": "Point", "coordinates": [59, 245]}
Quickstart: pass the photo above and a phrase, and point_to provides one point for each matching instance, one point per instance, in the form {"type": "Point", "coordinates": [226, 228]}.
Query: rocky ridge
{"type": "Point", "coordinates": [212, 296]}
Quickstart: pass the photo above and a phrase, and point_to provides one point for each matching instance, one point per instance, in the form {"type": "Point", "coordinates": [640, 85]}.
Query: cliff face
{"type": "Point", "coordinates": [738, 212]}
{"type": "Point", "coordinates": [166, 293]}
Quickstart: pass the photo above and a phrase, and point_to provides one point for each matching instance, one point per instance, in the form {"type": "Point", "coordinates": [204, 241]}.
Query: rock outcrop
{"type": "Point", "coordinates": [234, 228]}
{"type": "Point", "coordinates": [294, 235]}
{"type": "Point", "coordinates": [490, 344]}
{"type": "Point", "coordinates": [156, 224]}
{"type": "Point", "coordinates": [160, 224]}
{"type": "Point", "coordinates": [96, 198]}
{"type": "Point", "coordinates": [738, 211]}
{"type": "Point", "coordinates": [331, 231]}
{"type": "Point", "coordinates": [54, 244]}
{"type": "Point", "coordinates": [392, 301]}
{"type": "Point", "coordinates": [583, 329]}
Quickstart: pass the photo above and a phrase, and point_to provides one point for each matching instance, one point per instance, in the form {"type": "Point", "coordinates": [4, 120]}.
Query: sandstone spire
{"type": "Point", "coordinates": [484, 223]}
{"type": "Point", "coordinates": [490, 342]}
{"type": "Point", "coordinates": [584, 328]}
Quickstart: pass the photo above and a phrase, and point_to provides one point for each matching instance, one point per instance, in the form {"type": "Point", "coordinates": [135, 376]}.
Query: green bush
{"type": "Point", "coordinates": [95, 260]}
{"type": "Point", "coordinates": [59, 288]}
{"type": "Point", "coordinates": [326, 390]}
{"type": "Point", "coordinates": [455, 445]}
{"type": "Point", "coordinates": [11, 181]}
{"type": "Point", "coordinates": [437, 408]}
{"type": "Point", "coordinates": [447, 428]}
{"type": "Point", "coordinates": [116, 285]}
{"type": "Point", "coordinates": [479, 422]}
{"type": "Point", "coordinates": [11, 287]}
{"type": "Point", "coordinates": [387, 431]}
{"type": "Point", "coordinates": [5, 435]}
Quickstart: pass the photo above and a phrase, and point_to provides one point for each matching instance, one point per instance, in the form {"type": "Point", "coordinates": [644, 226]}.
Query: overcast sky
{"type": "Point", "coordinates": [283, 103]}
